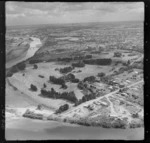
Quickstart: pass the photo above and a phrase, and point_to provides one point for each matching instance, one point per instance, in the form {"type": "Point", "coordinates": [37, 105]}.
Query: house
{"type": "Point", "coordinates": [104, 103]}
{"type": "Point", "coordinates": [136, 72]}
{"type": "Point", "coordinates": [128, 81]}
{"type": "Point", "coordinates": [124, 94]}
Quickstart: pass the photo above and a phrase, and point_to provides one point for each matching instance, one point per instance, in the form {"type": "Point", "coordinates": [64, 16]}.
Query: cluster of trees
{"type": "Point", "coordinates": [105, 79]}
{"type": "Point", "coordinates": [90, 79]}
{"type": "Point", "coordinates": [62, 108]}
{"type": "Point", "coordinates": [66, 69]}
{"type": "Point", "coordinates": [135, 124]}
{"type": "Point", "coordinates": [21, 66]}
{"type": "Point", "coordinates": [69, 96]}
{"type": "Point", "coordinates": [11, 71]}
{"type": "Point", "coordinates": [117, 54]}
{"type": "Point", "coordinates": [64, 59]}
{"type": "Point", "coordinates": [102, 74]}
{"type": "Point", "coordinates": [33, 61]}
{"type": "Point", "coordinates": [70, 77]}
{"type": "Point", "coordinates": [55, 80]}
{"type": "Point", "coordinates": [85, 98]}
{"type": "Point", "coordinates": [80, 57]}
{"type": "Point", "coordinates": [135, 115]}
{"type": "Point", "coordinates": [81, 85]}
{"type": "Point", "coordinates": [122, 69]}
{"type": "Point", "coordinates": [126, 63]}
{"type": "Point", "coordinates": [98, 61]}
{"type": "Point", "coordinates": [102, 121]}
{"type": "Point", "coordinates": [33, 87]}
{"type": "Point", "coordinates": [88, 56]}
{"type": "Point", "coordinates": [78, 64]}
{"type": "Point", "coordinates": [18, 67]}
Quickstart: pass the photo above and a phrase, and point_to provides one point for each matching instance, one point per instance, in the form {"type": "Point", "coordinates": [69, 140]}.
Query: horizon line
{"type": "Point", "coordinates": [73, 23]}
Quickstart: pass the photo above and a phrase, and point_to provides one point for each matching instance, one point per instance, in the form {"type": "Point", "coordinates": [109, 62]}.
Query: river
{"type": "Point", "coordinates": [33, 47]}
{"type": "Point", "coordinates": [28, 129]}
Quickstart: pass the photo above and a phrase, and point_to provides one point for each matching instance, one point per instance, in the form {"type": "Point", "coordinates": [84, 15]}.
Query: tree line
{"type": "Point", "coordinates": [69, 96]}
{"type": "Point", "coordinates": [98, 61]}
{"type": "Point", "coordinates": [66, 69]}
{"type": "Point", "coordinates": [18, 67]}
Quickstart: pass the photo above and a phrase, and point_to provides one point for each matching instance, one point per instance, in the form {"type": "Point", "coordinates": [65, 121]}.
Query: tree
{"type": "Point", "coordinates": [39, 107]}
{"type": "Point", "coordinates": [35, 66]}
{"type": "Point", "coordinates": [21, 66]}
{"type": "Point", "coordinates": [78, 64]}
{"type": "Point", "coordinates": [135, 115]}
{"type": "Point", "coordinates": [75, 80]}
{"type": "Point", "coordinates": [89, 79]}
{"type": "Point", "coordinates": [62, 108]}
{"type": "Point", "coordinates": [88, 56]}
{"type": "Point", "coordinates": [117, 54]}
{"type": "Point", "coordinates": [33, 87]}
{"type": "Point", "coordinates": [64, 86]}
{"type": "Point", "coordinates": [69, 77]}
{"type": "Point", "coordinates": [128, 62]}
{"type": "Point", "coordinates": [101, 74]}
{"type": "Point", "coordinates": [66, 69]}
{"type": "Point", "coordinates": [44, 85]}
{"type": "Point", "coordinates": [55, 80]}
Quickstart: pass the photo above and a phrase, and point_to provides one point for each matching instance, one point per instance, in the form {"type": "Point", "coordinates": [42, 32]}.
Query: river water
{"type": "Point", "coordinates": [28, 129]}
{"type": "Point", "coordinates": [34, 46]}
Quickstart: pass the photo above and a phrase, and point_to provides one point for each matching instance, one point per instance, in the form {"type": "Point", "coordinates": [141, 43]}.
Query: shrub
{"type": "Point", "coordinates": [101, 74]}
{"type": "Point", "coordinates": [64, 86]}
{"type": "Point", "coordinates": [117, 54]}
{"type": "Point", "coordinates": [33, 87]}
{"type": "Point", "coordinates": [33, 61]}
{"type": "Point", "coordinates": [89, 79]}
{"type": "Point", "coordinates": [41, 76]}
{"type": "Point", "coordinates": [118, 123]}
{"type": "Point", "coordinates": [62, 108]}
{"type": "Point", "coordinates": [136, 115]}
{"type": "Point", "coordinates": [65, 69]}
{"type": "Point", "coordinates": [81, 85]}
{"type": "Point", "coordinates": [88, 56]}
{"type": "Point", "coordinates": [75, 80]}
{"type": "Point", "coordinates": [78, 64]}
{"type": "Point", "coordinates": [135, 124]}
{"type": "Point", "coordinates": [70, 76]}
{"type": "Point", "coordinates": [35, 66]}
{"type": "Point", "coordinates": [55, 80]}
{"type": "Point", "coordinates": [44, 85]}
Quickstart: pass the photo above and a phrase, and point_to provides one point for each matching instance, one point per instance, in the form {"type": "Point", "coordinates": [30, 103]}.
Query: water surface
{"type": "Point", "coordinates": [28, 129]}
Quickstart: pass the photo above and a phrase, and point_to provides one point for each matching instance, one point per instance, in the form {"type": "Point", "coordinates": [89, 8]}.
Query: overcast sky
{"type": "Point", "coordinates": [25, 13]}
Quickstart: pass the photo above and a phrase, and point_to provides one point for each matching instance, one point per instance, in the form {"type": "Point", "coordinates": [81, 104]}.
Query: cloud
{"type": "Point", "coordinates": [74, 11]}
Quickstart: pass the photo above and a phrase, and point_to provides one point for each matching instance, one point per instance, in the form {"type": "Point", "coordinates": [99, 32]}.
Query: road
{"type": "Point", "coordinates": [107, 95]}
{"type": "Point", "coordinates": [137, 60]}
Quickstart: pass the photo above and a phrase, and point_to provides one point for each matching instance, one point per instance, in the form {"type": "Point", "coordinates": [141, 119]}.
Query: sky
{"type": "Point", "coordinates": [30, 13]}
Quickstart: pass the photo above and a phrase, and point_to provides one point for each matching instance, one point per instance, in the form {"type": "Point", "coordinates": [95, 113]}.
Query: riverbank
{"type": "Point", "coordinates": [34, 46]}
